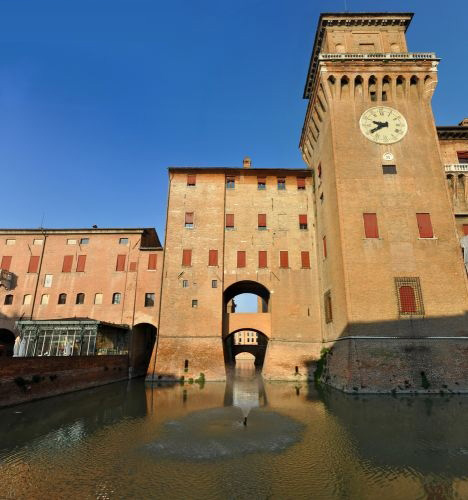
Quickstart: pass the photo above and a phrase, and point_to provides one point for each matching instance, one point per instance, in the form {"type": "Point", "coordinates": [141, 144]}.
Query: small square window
{"type": "Point", "coordinates": [281, 183]}
{"type": "Point", "coordinates": [194, 303]}
{"type": "Point", "coordinates": [389, 169]}
{"type": "Point", "coordinates": [214, 283]}
{"type": "Point", "coordinates": [184, 283]}
{"type": "Point", "coordinates": [10, 242]}
{"type": "Point", "coordinates": [38, 242]}
{"type": "Point", "coordinates": [123, 241]}
{"type": "Point", "coordinates": [84, 241]}
{"type": "Point", "coordinates": [71, 242]}
{"type": "Point", "coordinates": [230, 182]}
{"type": "Point", "coordinates": [149, 299]}
{"type": "Point", "coordinates": [261, 183]}
{"type": "Point", "coordinates": [8, 300]}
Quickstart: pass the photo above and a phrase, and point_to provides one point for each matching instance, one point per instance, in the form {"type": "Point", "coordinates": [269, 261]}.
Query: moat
{"type": "Point", "coordinates": [128, 440]}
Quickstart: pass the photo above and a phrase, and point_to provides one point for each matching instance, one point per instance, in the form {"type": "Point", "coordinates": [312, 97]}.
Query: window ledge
{"type": "Point", "coordinates": [373, 239]}
{"type": "Point", "coordinates": [430, 239]}
{"type": "Point", "coordinates": [230, 228]}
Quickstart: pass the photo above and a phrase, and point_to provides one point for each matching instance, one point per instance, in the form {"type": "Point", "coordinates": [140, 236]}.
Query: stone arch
{"type": "Point", "coordinates": [400, 86]}
{"type": "Point", "coordinates": [7, 342]}
{"type": "Point", "coordinates": [344, 86]}
{"type": "Point", "coordinates": [247, 286]}
{"type": "Point", "coordinates": [372, 86]}
{"type": "Point", "coordinates": [358, 86]}
{"type": "Point", "coordinates": [386, 88]}
{"type": "Point", "coordinates": [233, 348]}
{"type": "Point", "coordinates": [143, 338]}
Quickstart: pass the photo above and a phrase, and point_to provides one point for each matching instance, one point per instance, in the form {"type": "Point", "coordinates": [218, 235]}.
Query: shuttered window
{"type": "Point", "coordinates": [303, 221]}
{"type": "Point", "coordinates": [262, 223]}
{"type": "Point", "coordinates": [187, 258]}
{"type": "Point", "coordinates": [465, 229]}
{"type": "Point", "coordinates": [191, 180]}
{"type": "Point", "coordinates": [189, 219]}
{"type": "Point", "coordinates": [284, 259]}
{"type": "Point", "coordinates": [301, 183]}
{"type": "Point", "coordinates": [305, 260]}
{"type": "Point", "coordinates": [324, 243]}
{"type": "Point", "coordinates": [132, 267]}
{"type": "Point", "coordinates": [33, 264]}
{"type": "Point", "coordinates": [424, 225]}
{"type": "Point", "coordinates": [409, 296]}
{"type": "Point", "coordinates": [67, 264]}
{"type": "Point", "coordinates": [152, 262]}
{"type": "Point", "coordinates": [229, 220]}
{"type": "Point", "coordinates": [262, 259]}
{"type": "Point", "coordinates": [407, 299]}
{"type": "Point", "coordinates": [6, 262]}
{"type": "Point", "coordinates": [213, 258]}
{"type": "Point", "coordinates": [371, 228]}
{"type": "Point", "coordinates": [120, 265]}
{"type": "Point", "coordinates": [241, 258]}
{"type": "Point", "coordinates": [81, 263]}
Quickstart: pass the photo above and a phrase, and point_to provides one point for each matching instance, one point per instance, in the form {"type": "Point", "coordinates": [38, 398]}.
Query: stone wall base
{"type": "Point", "coordinates": [398, 365]}
{"type": "Point", "coordinates": [204, 356]}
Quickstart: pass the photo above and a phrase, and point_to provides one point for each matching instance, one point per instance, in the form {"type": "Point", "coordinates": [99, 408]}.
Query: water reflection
{"type": "Point", "coordinates": [188, 441]}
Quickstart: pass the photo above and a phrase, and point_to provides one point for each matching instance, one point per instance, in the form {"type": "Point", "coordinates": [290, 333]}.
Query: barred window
{"type": "Point", "coordinates": [327, 302]}
{"type": "Point", "coordinates": [409, 296]}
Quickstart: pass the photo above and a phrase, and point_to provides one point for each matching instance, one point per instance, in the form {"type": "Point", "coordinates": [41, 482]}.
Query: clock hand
{"type": "Point", "coordinates": [379, 126]}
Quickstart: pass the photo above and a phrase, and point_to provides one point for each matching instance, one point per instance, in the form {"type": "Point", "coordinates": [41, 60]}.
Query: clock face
{"type": "Point", "coordinates": [383, 125]}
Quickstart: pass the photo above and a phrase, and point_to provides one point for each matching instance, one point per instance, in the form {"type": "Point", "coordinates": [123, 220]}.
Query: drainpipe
{"type": "Point", "coordinates": [38, 274]}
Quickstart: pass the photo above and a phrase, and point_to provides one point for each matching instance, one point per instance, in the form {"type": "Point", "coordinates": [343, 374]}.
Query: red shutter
{"type": "Point", "coordinates": [262, 259]}
{"type": "Point", "coordinates": [229, 220]}
{"type": "Point", "coordinates": [303, 219]}
{"type": "Point", "coordinates": [33, 264]}
{"type": "Point", "coordinates": [120, 266]}
{"type": "Point", "coordinates": [407, 299]}
{"type": "Point", "coordinates": [133, 267]}
{"type": "Point", "coordinates": [152, 261]}
{"type": "Point", "coordinates": [371, 228]}
{"type": "Point", "coordinates": [305, 260]}
{"type": "Point", "coordinates": [324, 241]}
{"type": "Point", "coordinates": [241, 258]}
{"type": "Point", "coordinates": [284, 260]}
{"type": "Point", "coordinates": [67, 264]}
{"type": "Point", "coordinates": [262, 220]}
{"type": "Point", "coordinates": [189, 217]}
{"type": "Point", "coordinates": [213, 258]}
{"type": "Point", "coordinates": [191, 180]}
{"type": "Point", "coordinates": [301, 182]}
{"type": "Point", "coordinates": [462, 155]}
{"type": "Point", "coordinates": [465, 229]}
{"type": "Point", "coordinates": [81, 263]}
{"type": "Point", "coordinates": [187, 258]}
{"type": "Point", "coordinates": [6, 262]}
{"type": "Point", "coordinates": [424, 225]}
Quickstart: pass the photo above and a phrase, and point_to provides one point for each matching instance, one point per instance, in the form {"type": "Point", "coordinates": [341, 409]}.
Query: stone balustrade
{"type": "Point", "coordinates": [380, 56]}
{"type": "Point", "coordinates": [456, 167]}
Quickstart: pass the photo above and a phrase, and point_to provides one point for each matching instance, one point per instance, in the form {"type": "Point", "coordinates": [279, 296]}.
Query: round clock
{"type": "Point", "coordinates": [383, 125]}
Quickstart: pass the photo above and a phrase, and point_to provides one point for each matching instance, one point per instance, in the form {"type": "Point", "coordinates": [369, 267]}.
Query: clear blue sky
{"type": "Point", "coordinates": [99, 97]}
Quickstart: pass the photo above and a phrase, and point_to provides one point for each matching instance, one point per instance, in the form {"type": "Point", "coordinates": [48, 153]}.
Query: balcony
{"type": "Point", "coordinates": [456, 167]}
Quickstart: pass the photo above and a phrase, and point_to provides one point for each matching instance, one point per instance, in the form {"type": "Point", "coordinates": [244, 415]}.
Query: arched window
{"type": "Point", "coordinates": [98, 298]}
{"type": "Point", "coordinates": [80, 298]}
{"type": "Point", "coordinates": [386, 88]}
{"type": "Point", "coordinates": [62, 299]}
{"type": "Point", "coordinates": [45, 299]}
{"type": "Point", "coordinates": [27, 299]}
{"type": "Point", "coordinates": [358, 86]}
{"type": "Point", "coordinates": [8, 300]}
{"type": "Point", "coordinates": [409, 294]}
{"type": "Point", "coordinates": [116, 298]}
{"type": "Point", "coordinates": [373, 88]}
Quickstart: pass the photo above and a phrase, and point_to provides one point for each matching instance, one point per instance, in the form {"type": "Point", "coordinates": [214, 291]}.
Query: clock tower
{"type": "Point", "coordinates": [392, 284]}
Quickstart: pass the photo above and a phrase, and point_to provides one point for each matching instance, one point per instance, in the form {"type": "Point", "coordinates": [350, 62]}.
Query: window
{"type": "Point", "coordinates": [281, 183]}
{"type": "Point", "coordinates": [84, 241]}
{"type": "Point", "coordinates": [191, 180]}
{"type": "Point", "coordinates": [303, 221]}
{"type": "Point", "coordinates": [319, 171]}
{"type": "Point", "coordinates": [120, 264]}
{"type": "Point", "coordinates": [409, 296]}
{"type": "Point", "coordinates": [44, 299]}
{"type": "Point", "coordinates": [230, 182]}
{"type": "Point", "coordinates": [284, 259]}
{"type": "Point", "coordinates": [261, 183]}
{"type": "Point", "coordinates": [262, 224]}
{"type": "Point", "coordinates": [424, 225]}
{"type": "Point", "coordinates": [8, 300]}
{"type": "Point", "coordinates": [67, 264]}
{"type": "Point", "coordinates": [213, 258]}
{"type": "Point", "coordinates": [27, 299]}
{"type": "Point", "coordinates": [6, 263]}
{"type": "Point", "coordinates": [241, 258]}
{"type": "Point", "coordinates": [189, 220]}
{"type": "Point", "coordinates": [48, 280]}
{"type": "Point", "coordinates": [462, 156]}
{"type": "Point", "coordinates": [371, 229]}
{"type": "Point", "coordinates": [33, 264]}
{"type": "Point", "coordinates": [132, 267]}
{"type": "Point", "coordinates": [465, 229]}
{"type": "Point", "coordinates": [194, 303]}
{"type": "Point", "coordinates": [184, 283]}
{"type": "Point", "coordinates": [149, 299]}
{"type": "Point", "coordinates": [229, 221]}
{"type": "Point", "coordinates": [116, 298]}
{"type": "Point", "coordinates": [123, 241]}
{"type": "Point", "coordinates": [324, 246]}
{"type": "Point", "coordinates": [262, 259]}
{"type": "Point", "coordinates": [10, 242]}
{"type": "Point", "coordinates": [81, 264]}
{"type": "Point", "coordinates": [38, 242]}
{"type": "Point", "coordinates": [214, 283]}
{"type": "Point", "coordinates": [98, 299]}
{"type": "Point", "coordinates": [152, 261]}
{"type": "Point", "coordinates": [71, 242]}
{"type": "Point", "coordinates": [62, 299]}
{"type": "Point", "coordinates": [305, 260]}
{"type": "Point", "coordinates": [327, 304]}
{"type": "Point", "coordinates": [389, 169]}
{"type": "Point", "coordinates": [80, 298]}
{"type": "Point", "coordinates": [187, 258]}
{"type": "Point", "coordinates": [301, 183]}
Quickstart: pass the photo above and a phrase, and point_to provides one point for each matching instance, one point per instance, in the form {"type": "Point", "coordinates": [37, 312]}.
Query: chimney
{"type": "Point", "coordinates": [247, 163]}
{"type": "Point", "coordinates": [463, 123]}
